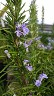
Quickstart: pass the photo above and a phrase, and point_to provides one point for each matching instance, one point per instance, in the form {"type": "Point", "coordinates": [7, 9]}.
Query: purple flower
{"type": "Point", "coordinates": [25, 45]}
{"type": "Point", "coordinates": [37, 83]}
{"type": "Point", "coordinates": [25, 61]}
{"type": "Point", "coordinates": [21, 30]}
{"type": "Point", "coordinates": [23, 25]}
{"type": "Point", "coordinates": [25, 29]}
{"type": "Point", "coordinates": [29, 67]}
{"type": "Point", "coordinates": [6, 51]}
{"type": "Point", "coordinates": [18, 33]}
{"type": "Point", "coordinates": [42, 76]}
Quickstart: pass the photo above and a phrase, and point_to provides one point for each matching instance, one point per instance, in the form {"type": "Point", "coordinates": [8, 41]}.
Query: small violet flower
{"type": "Point", "coordinates": [7, 53]}
{"type": "Point", "coordinates": [18, 33]}
{"type": "Point", "coordinates": [25, 29]}
{"type": "Point", "coordinates": [29, 67]}
{"type": "Point", "coordinates": [25, 61]}
{"type": "Point", "coordinates": [42, 76]}
{"type": "Point", "coordinates": [27, 44]}
{"type": "Point", "coordinates": [37, 83]}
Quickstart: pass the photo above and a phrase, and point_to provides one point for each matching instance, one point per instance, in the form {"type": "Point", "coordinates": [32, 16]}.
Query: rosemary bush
{"type": "Point", "coordinates": [29, 64]}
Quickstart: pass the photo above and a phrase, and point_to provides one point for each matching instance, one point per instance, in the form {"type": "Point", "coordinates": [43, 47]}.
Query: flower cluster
{"type": "Point", "coordinates": [21, 30]}
{"type": "Point", "coordinates": [41, 77]}
{"type": "Point", "coordinates": [48, 47]}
